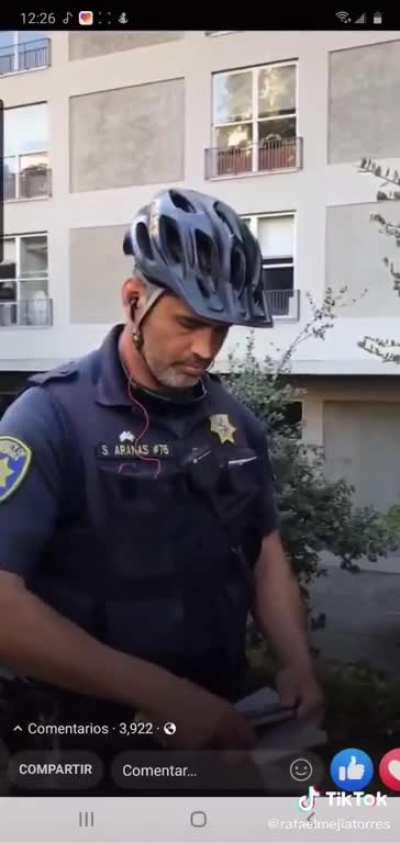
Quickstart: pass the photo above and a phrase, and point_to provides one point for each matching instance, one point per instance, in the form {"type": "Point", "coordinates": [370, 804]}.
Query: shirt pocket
{"type": "Point", "coordinates": [239, 484]}
{"type": "Point", "coordinates": [137, 530]}
{"type": "Point", "coordinates": [240, 500]}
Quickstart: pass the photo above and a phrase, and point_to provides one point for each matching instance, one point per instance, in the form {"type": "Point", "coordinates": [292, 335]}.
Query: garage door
{"type": "Point", "coordinates": [362, 444]}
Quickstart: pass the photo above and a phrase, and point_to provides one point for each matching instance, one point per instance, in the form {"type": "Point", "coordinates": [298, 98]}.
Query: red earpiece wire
{"type": "Point", "coordinates": [146, 427]}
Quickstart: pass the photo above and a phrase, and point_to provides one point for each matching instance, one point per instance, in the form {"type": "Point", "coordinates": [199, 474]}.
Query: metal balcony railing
{"type": "Point", "coordinates": [284, 303]}
{"type": "Point", "coordinates": [269, 156]}
{"type": "Point", "coordinates": [26, 181]}
{"type": "Point", "coordinates": [18, 58]}
{"type": "Point", "coordinates": [34, 312]}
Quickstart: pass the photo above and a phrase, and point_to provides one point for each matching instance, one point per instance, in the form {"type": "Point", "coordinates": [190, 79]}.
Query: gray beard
{"type": "Point", "coordinates": [170, 378]}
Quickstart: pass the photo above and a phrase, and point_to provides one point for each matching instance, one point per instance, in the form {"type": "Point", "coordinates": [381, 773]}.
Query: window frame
{"type": "Point", "coordinates": [254, 228]}
{"type": "Point", "coordinates": [19, 278]}
{"type": "Point", "coordinates": [16, 156]}
{"type": "Point", "coordinates": [19, 171]}
{"type": "Point", "coordinates": [255, 120]}
{"type": "Point", "coordinates": [15, 45]}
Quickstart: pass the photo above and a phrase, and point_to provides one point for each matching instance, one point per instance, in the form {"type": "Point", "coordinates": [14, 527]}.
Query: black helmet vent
{"type": "Point", "coordinates": [238, 269]}
{"type": "Point", "coordinates": [144, 240]}
{"type": "Point", "coordinates": [224, 217]}
{"type": "Point", "coordinates": [181, 202]}
{"type": "Point", "coordinates": [127, 244]}
{"type": "Point", "coordinates": [204, 252]}
{"type": "Point", "coordinates": [171, 239]}
{"type": "Point", "coordinates": [203, 287]}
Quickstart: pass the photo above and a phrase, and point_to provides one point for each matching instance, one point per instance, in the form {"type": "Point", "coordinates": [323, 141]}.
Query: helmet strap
{"type": "Point", "coordinates": [136, 332]}
{"type": "Point", "coordinates": [155, 295]}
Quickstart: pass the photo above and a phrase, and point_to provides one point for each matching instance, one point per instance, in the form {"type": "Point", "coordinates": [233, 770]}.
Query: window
{"type": "Point", "coordinates": [23, 50]}
{"type": "Point", "coordinates": [254, 119]}
{"type": "Point", "coordinates": [275, 234]}
{"type": "Point", "coordinates": [26, 171]}
{"type": "Point", "coordinates": [293, 414]}
{"type": "Point", "coordinates": [292, 419]}
{"type": "Point", "coordinates": [24, 280]}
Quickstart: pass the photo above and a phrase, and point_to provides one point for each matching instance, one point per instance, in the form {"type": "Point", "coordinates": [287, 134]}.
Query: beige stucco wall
{"type": "Point", "coordinates": [355, 249]}
{"type": "Point", "coordinates": [103, 43]}
{"type": "Point", "coordinates": [364, 89]}
{"type": "Point", "coordinates": [128, 136]}
{"type": "Point", "coordinates": [362, 444]}
{"type": "Point", "coordinates": [357, 422]}
{"type": "Point", "coordinates": [98, 269]}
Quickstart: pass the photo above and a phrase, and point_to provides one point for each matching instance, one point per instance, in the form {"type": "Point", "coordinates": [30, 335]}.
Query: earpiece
{"type": "Point", "coordinates": [132, 307]}
{"type": "Point", "coordinates": [135, 331]}
{"type": "Point", "coordinates": [136, 334]}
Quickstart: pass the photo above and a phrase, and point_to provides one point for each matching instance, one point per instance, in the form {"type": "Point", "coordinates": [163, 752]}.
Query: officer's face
{"type": "Point", "coordinates": [178, 346]}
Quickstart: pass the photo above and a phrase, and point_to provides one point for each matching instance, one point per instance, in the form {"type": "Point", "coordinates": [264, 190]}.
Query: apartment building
{"type": "Point", "coordinates": [274, 123]}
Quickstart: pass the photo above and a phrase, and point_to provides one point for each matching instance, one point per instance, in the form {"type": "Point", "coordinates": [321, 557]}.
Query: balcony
{"type": "Point", "coordinates": [284, 304]}
{"type": "Point", "coordinates": [269, 156]}
{"type": "Point", "coordinates": [30, 55]}
{"type": "Point", "coordinates": [26, 176]}
{"type": "Point", "coordinates": [34, 312]}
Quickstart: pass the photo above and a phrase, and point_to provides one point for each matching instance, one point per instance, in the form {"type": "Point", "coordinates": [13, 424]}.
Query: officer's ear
{"type": "Point", "coordinates": [132, 288]}
{"type": "Point", "coordinates": [130, 295]}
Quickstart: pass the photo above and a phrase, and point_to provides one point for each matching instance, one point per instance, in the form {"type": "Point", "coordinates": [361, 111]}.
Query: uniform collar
{"type": "Point", "coordinates": [111, 387]}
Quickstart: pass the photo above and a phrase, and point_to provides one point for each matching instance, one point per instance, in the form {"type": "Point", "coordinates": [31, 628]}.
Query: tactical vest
{"type": "Point", "coordinates": [155, 565]}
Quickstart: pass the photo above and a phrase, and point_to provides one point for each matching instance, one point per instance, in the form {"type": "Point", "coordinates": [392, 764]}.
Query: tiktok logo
{"type": "Point", "coordinates": [307, 802]}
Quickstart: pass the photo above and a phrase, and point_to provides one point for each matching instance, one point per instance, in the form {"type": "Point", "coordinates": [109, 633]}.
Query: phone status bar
{"type": "Point", "coordinates": [191, 19]}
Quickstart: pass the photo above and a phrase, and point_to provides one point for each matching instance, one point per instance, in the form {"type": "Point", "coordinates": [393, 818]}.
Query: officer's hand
{"type": "Point", "coordinates": [203, 720]}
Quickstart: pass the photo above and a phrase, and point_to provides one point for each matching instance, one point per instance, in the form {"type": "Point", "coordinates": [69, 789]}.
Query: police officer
{"type": "Point", "coordinates": [137, 520]}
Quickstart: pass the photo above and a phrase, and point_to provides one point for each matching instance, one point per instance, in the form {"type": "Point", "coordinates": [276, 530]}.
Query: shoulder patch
{"type": "Point", "coordinates": [15, 459]}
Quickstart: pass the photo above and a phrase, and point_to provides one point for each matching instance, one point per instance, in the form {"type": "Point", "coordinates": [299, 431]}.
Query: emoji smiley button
{"type": "Point", "coordinates": [301, 770]}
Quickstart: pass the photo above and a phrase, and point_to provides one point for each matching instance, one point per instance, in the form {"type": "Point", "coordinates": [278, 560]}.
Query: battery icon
{"type": "Point", "coordinates": [377, 18]}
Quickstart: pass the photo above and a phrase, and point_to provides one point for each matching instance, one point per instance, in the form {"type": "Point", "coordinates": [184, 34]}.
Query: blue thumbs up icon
{"type": "Point", "coordinates": [352, 769]}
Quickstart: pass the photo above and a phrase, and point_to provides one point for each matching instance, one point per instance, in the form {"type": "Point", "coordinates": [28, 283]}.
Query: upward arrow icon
{"type": "Point", "coordinates": [18, 729]}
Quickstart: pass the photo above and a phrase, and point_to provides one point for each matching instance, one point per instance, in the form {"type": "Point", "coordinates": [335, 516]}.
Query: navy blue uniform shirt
{"type": "Point", "coordinates": [129, 516]}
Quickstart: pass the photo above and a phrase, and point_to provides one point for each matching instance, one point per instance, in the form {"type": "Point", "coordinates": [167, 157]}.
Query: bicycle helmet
{"type": "Point", "coordinates": [198, 248]}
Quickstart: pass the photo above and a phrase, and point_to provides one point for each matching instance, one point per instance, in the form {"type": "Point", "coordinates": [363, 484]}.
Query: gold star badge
{"type": "Point", "coordinates": [221, 425]}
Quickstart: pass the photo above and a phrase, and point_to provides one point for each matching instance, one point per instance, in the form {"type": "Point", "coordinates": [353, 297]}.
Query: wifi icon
{"type": "Point", "coordinates": [344, 17]}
